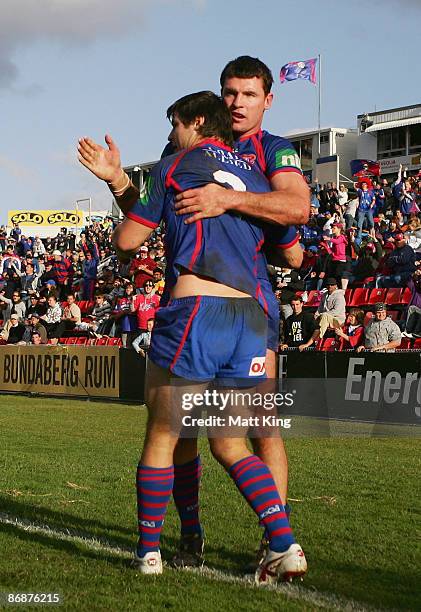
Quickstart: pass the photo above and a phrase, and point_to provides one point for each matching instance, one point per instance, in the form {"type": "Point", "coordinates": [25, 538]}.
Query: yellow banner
{"type": "Point", "coordinates": [46, 218]}
{"type": "Point", "coordinates": [61, 370]}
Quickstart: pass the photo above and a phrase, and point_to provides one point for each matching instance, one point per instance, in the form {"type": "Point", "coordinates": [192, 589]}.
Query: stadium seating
{"type": "Point", "coordinates": [393, 296]}
{"type": "Point", "coordinates": [376, 295]}
{"type": "Point", "coordinates": [314, 299]}
{"type": "Point", "coordinates": [359, 297]}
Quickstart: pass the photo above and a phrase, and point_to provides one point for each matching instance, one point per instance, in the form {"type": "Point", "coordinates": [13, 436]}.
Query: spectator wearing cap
{"type": "Point", "coordinates": [330, 313]}
{"type": "Point", "coordinates": [145, 305]}
{"type": "Point", "coordinates": [13, 331]}
{"type": "Point", "coordinates": [369, 256]}
{"type": "Point", "coordinates": [366, 203]}
{"type": "Point", "coordinates": [401, 262]}
{"type": "Point", "coordinates": [351, 335]}
{"type": "Point", "coordinates": [35, 326]}
{"type": "Point", "coordinates": [62, 269]}
{"type": "Point", "coordinates": [381, 334]}
{"type": "Point", "coordinates": [142, 268]}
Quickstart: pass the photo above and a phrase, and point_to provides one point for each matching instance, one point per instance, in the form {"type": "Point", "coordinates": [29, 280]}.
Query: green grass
{"type": "Point", "coordinates": [356, 515]}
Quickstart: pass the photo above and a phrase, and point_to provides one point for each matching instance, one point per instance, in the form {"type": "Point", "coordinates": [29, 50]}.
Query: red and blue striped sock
{"type": "Point", "coordinates": [255, 482]}
{"type": "Point", "coordinates": [186, 495]}
{"type": "Point", "coordinates": [154, 488]}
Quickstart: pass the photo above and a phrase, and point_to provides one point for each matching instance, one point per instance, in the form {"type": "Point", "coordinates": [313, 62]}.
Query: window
{"type": "Point", "coordinates": [415, 138]}
{"type": "Point", "coordinates": [324, 138]}
{"type": "Point", "coordinates": [304, 150]}
{"type": "Point", "coordinates": [391, 143]}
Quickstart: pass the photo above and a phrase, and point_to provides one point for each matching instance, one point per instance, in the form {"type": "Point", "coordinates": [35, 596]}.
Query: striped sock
{"type": "Point", "coordinates": [256, 484]}
{"type": "Point", "coordinates": [154, 487]}
{"type": "Point", "coordinates": [186, 495]}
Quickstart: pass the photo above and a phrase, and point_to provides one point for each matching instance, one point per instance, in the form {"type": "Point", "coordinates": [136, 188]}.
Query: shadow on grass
{"type": "Point", "coordinates": [95, 529]}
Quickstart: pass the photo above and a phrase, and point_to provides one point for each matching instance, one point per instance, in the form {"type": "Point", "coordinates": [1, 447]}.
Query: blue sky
{"type": "Point", "coordinates": [70, 68]}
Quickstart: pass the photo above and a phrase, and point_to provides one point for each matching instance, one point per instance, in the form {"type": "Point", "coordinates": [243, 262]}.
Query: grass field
{"type": "Point", "coordinates": [67, 517]}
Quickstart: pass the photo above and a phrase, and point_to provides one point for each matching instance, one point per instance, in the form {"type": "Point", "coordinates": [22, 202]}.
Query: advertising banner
{"type": "Point", "coordinates": [61, 370]}
{"type": "Point", "coordinates": [46, 218]}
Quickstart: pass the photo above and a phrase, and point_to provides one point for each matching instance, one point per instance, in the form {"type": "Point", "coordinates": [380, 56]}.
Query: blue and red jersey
{"type": "Point", "coordinates": [226, 248]}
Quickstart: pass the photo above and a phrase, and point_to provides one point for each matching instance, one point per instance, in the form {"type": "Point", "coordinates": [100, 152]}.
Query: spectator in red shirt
{"type": "Point", "coordinates": [142, 268]}
{"type": "Point", "coordinates": [352, 333]}
{"type": "Point", "coordinates": [145, 305]}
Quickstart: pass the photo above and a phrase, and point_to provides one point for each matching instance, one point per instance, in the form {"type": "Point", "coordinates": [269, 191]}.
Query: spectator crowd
{"type": "Point", "coordinates": [365, 239]}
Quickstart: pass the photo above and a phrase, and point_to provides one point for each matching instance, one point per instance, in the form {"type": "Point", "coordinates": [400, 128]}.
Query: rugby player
{"type": "Point", "coordinates": [246, 84]}
{"type": "Point", "coordinates": [208, 292]}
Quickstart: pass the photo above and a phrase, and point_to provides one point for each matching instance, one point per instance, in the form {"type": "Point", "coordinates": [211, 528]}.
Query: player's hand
{"type": "Point", "coordinates": [105, 163]}
{"type": "Point", "coordinates": [202, 203]}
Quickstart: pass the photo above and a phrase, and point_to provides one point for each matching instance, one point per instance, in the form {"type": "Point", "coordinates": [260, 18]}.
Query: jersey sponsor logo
{"type": "Point", "coordinates": [147, 523]}
{"type": "Point", "coordinates": [257, 366]}
{"type": "Point", "coordinates": [269, 511]}
{"type": "Point", "coordinates": [146, 190]}
{"type": "Point", "coordinates": [227, 157]}
{"type": "Point", "coordinates": [287, 158]}
{"type": "Point", "coordinates": [249, 157]}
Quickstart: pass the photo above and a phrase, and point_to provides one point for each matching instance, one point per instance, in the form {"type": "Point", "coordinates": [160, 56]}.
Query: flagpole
{"type": "Point", "coordinates": [320, 98]}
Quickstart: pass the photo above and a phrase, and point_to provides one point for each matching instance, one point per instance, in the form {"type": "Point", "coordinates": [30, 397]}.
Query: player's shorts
{"type": "Point", "coordinates": [269, 303]}
{"type": "Point", "coordinates": [205, 337]}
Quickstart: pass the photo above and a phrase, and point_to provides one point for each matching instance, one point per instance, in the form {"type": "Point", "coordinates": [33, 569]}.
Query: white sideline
{"type": "Point", "coordinates": [291, 591]}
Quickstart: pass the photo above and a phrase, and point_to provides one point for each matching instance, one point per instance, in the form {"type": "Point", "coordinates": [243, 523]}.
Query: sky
{"type": "Point", "coordinates": [72, 68]}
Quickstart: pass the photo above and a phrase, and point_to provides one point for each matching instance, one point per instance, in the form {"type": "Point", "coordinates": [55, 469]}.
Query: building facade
{"type": "Point", "coordinates": [392, 137]}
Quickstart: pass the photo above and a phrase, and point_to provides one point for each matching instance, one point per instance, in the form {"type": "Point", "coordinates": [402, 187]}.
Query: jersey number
{"type": "Point", "coordinates": [227, 177]}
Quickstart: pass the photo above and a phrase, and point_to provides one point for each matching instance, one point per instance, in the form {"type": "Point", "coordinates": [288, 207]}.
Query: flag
{"type": "Point", "coordinates": [364, 167]}
{"type": "Point", "coordinates": [299, 70]}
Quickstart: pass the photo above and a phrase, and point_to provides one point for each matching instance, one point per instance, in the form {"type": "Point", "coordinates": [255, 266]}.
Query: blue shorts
{"type": "Point", "coordinates": [206, 337]}
{"type": "Point", "coordinates": [269, 303]}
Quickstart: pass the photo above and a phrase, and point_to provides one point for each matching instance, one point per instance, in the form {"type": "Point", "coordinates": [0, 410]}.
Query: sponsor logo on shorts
{"type": "Point", "coordinates": [269, 511]}
{"type": "Point", "coordinates": [257, 366]}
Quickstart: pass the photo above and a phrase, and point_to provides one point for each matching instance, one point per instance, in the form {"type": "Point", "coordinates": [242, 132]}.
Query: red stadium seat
{"type": "Point", "coordinates": [368, 317]}
{"type": "Point", "coordinates": [114, 342]}
{"type": "Point", "coordinates": [393, 296]}
{"type": "Point", "coordinates": [348, 296]}
{"type": "Point", "coordinates": [406, 343]}
{"type": "Point", "coordinates": [376, 295]}
{"type": "Point", "coordinates": [100, 341]}
{"type": "Point", "coordinates": [359, 297]}
{"type": "Point", "coordinates": [61, 341]}
{"type": "Point", "coordinates": [72, 340]}
{"type": "Point", "coordinates": [329, 345]}
{"type": "Point", "coordinates": [82, 340]}
{"type": "Point", "coordinates": [406, 296]}
{"type": "Point", "coordinates": [314, 299]}
{"type": "Point", "coordinates": [395, 315]}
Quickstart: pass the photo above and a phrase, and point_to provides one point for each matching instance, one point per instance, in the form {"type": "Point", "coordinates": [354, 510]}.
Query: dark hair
{"type": "Point", "coordinates": [246, 67]}
{"type": "Point", "coordinates": [358, 314]}
{"type": "Point", "coordinates": [208, 105]}
{"type": "Point", "coordinates": [296, 298]}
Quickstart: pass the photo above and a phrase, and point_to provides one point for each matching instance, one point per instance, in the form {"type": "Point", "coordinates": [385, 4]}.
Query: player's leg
{"type": "Point", "coordinates": [285, 558]}
{"type": "Point", "coordinates": [187, 475]}
{"type": "Point", "coordinates": [155, 472]}
{"type": "Point", "coordinates": [272, 450]}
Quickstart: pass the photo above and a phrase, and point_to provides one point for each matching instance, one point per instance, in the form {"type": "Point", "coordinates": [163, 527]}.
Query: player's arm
{"type": "Point", "coordinates": [282, 247]}
{"type": "Point", "coordinates": [143, 217]}
{"type": "Point", "coordinates": [128, 237]}
{"type": "Point", "coordinates": [288, 204]}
